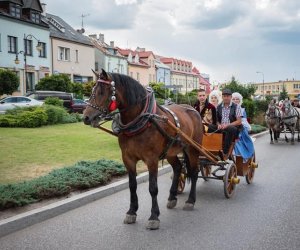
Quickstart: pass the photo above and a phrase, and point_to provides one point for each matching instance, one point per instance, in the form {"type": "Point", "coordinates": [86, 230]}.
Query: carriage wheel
{"type": "Point", "coordinates": [181, 183]}
{"type": "Point", "coordinates": [205, 171]}
{"type": "Point", "coordinates": [230, 180]}
{"type": "Point", "coordinates": [251, 170]}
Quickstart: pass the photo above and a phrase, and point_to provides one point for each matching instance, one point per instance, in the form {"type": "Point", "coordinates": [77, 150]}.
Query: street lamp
{"type": "Point", "coordinates": [259, 72]}
{"type": "Point", "coordinates": [24, 52]}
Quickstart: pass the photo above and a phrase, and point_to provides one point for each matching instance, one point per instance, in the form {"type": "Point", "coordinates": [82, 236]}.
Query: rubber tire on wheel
{"type": "Point", "coordinates": [229, 188]}
{"type": "Point", "coordinates": [250, 175]}
{"type": "Point", "coordinates": [205, 171]}
{"type": "Point", "coordinates": [181, 183]}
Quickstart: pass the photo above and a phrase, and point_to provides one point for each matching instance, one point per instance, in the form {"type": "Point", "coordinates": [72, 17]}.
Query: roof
{"type": "Point", "coordinates": [102, 46]}
{"type": "Point", "coordinates": [141, 54]}
{"type": "Point", "coordinates": [174, 60]}
{"type": "Point", "coordinates": [62, 30]}
{"type": "Point", "coordinates": [33, 4]}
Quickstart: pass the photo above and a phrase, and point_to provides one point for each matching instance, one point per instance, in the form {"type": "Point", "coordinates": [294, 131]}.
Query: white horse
{"type": "Point", "coordinates": [291, 120]}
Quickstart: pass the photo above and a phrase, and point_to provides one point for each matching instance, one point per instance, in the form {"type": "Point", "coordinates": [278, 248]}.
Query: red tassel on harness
{"type": "Point", "coordinates": [112, 106]}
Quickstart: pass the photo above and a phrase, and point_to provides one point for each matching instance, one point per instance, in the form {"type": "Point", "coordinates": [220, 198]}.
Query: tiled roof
{"type": "Point", "coordinates": [102, 46]}
{"type": "Point", "coordinates": [62, 30]}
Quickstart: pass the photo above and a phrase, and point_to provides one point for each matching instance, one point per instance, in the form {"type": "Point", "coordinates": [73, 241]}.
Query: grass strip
{"type": "Point", "coordinates": [59, 182]}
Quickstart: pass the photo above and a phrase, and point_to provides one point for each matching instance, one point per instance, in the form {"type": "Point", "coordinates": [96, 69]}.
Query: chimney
{"type": "Point", "coordinates": [101, 38]}
{"type": "Point", "coordinates": [44, 9]}
{"type": "Point", "coordinates": [94, 36]}
{"type": "Point", "coordinates": [112, 44]}
{"type": "Point", "coordinates": [138, 49]}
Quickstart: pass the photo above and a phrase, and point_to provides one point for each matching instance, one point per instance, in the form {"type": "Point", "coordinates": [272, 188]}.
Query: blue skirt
{"type": "Point", "coordinates": [244, 146]}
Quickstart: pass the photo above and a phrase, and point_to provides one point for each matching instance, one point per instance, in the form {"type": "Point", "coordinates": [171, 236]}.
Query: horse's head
{"type": "Point", "coordinates": [286, 106]}
{"type": "Point", "coordinates": [272, 108]}
{"type": "Point", "coordinates": [102, 100]}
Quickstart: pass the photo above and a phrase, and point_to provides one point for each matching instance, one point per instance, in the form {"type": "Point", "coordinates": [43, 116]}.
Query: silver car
{"type": "Point", "coordinates": [17, 101]}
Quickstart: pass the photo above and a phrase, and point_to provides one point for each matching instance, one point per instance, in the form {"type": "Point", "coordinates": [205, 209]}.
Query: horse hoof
{"type": "Point", "coordinates": [171, 204]}
{"type": "Point", "coordinates": [271, 142]}
{"type": "Point", "coordinates": [129, 219]}
{"type": "Point", "coordinates": [188, 206]}
{"type": "Point", "coordinates": [153, 224]}
{"type": "Point", "coordinates": [292, 143]}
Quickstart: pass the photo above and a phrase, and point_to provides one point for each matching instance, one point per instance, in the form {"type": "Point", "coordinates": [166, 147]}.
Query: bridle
{"type": "Point", "coordinates": [112, 105]}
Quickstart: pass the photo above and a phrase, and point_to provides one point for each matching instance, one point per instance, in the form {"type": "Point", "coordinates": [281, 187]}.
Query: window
{"type": "Point", "coordinates": [137, 76]}
{"type": "Point", "coordinates": [76, 55]}
{"type": "Point", "coordinates": [35, 17]}
{"type": "Point", "coordinates": [15, 10]}
{"type": "Point", "coordinates": [30, 81]}
{"type": "Point", "coordinates": [12, 44]}
{"type": "Point", "coordinates": [131, 74]}
{"type": "Point", "coordinates": [42, 52]}
{"type": "Point", "coordinates": [63, 54]}
{"type": "Point", "coordinates": [96, 66]}
{"type": "Point", "coordinates": [28, 47]}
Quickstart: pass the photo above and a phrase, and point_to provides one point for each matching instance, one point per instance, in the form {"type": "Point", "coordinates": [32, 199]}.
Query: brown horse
{"type": "Point", "coordinates": [144, 135]}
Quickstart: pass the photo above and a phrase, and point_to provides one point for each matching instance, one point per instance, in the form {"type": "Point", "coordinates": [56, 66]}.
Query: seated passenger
{"type": "Point", "coordinates": [244, 146]}
{"type": "Point", "coordinates": [214, 98]}
{"type": "Point", "coordinates": [229, 120]}
{"type": "Point", "coordinates": [207, 111]}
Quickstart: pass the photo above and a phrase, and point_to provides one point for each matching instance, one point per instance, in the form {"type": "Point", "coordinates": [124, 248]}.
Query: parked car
{"type": "Point", "coordinates": [12, 102]}
{"type": "Point", "coordinates": [41, 95]}
{"type": "Point", "coordinates": [78, 106]}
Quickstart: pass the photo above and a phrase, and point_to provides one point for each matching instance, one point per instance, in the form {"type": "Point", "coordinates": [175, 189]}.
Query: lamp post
{"type": "Point", "coordinates": [259, 72]}
{"type": "Point", "coordinates": [24, 52]}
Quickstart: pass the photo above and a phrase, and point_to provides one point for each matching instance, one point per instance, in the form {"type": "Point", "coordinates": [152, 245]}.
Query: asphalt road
{"type": "Point", "coordinates": [263, 215]}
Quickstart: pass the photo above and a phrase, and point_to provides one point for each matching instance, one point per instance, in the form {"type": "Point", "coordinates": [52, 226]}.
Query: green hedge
{"type": "Point", "coordinates": [31, 117]}
{"type": "Point", "coordinates": [59, 182]}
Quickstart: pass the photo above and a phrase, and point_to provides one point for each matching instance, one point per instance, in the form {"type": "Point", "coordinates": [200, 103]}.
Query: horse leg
{"type": "Point", "coordinates": [292, 135]}
{"type": "Point", "coordinates": [176, 165]}
{"type": "Point", "coordinates": [153, 221]}
{"type": "Point", "coordinates": [192, 172]}
{"type": "Point", "coordinates": [270, 131]}
{"type": "Point", "coordinates": [286, 139]}
{"type": "Point", "coordinates": [131, 214]}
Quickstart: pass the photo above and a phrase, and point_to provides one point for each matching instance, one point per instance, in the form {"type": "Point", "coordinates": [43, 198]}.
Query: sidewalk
{"type": "Point", "coordinates": [34, 216]}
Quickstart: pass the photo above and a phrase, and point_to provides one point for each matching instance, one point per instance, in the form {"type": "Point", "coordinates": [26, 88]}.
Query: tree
{"type": "Point", "coordinates": [283, 94]}
{"type": "Point", "coordinates": [60, 82]}
{"type": "Point", "coordinates": [245, 91]}
{"type": "Point", "coordinates": [87, 88]}
{"type": "Point", "coordinates": [9, 82]}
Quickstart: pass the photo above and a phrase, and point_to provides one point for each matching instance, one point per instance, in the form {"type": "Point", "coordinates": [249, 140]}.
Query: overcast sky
{"type": "Point", "coordinates": [222, 38]}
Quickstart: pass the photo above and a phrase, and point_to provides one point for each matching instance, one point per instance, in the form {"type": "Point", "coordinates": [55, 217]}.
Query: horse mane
{"type": "Point", "coordinates": [133, 91]}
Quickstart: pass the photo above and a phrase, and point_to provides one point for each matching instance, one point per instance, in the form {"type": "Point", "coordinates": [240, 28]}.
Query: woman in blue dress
{"type": "Point", "coordinates": [244, 146]}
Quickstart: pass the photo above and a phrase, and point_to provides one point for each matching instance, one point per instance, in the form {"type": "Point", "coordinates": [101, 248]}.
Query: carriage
{"type": "Point", "coordinates": [212, 166]}
{"type": "Point", "coordinates": [151, 132]}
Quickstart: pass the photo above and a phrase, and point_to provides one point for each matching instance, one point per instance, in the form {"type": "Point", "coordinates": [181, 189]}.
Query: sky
{"type": "Point", "coordinates": [222, 38]}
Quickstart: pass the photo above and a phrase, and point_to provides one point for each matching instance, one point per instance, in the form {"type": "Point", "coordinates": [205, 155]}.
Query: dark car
{"type": "Point", "coordinates": [41, 95]}
{"type": "Point", "coordinates": [78, 106]}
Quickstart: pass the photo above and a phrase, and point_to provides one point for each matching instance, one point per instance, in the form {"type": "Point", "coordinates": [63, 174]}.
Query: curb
{"type": "Point", "coordinates": [18, 222]}
{"type": "Point", "coordinates": [259, 134]}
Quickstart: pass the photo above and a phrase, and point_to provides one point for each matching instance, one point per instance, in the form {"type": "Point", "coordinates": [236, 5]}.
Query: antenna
{"type": "Point", "coordinates": [82, 16]}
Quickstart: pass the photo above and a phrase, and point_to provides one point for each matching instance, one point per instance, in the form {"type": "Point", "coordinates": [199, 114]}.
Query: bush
{"type": "Point", "coordinates": [24, 117]}
{"type": "Point", "coordinates": [54, 101]}
{"type": "Point", "coordinates": [9, 82]}
{"type": "Point", "coordinates": [82, 175]}
{"type": "Point", "coordinates": [31, 117]}
{"type": "Point", "coordinates": [250, 108]}
{"type": "Point", "coordinates": [55, 114]}
{"type": "Point", "coordinates": [255, 128]}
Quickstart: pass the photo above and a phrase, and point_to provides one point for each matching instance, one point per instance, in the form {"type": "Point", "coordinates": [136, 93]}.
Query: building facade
{"type": "Point", "coordinates": [182, 75]}
{"type": "Point", "coordinates": [107, 56]}
{"type": "Point", "coordinates": [141, 65]}
{"type": "Point", "coordinates": [72, 53]}
{"type": "Point", "coordinates": [274, 88]}
{"type": "Point", "coordinates": [163, 73]}
{"type": "Point", "coordinates": [24, 42]}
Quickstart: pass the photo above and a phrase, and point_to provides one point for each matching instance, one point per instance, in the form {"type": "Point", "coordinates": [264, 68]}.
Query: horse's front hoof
{"type": "Point", "coordinates": [130, 219]}
{"type": "Point", "coordinates": [153, 224]}
{"type": "Point", "coordinates": [292, 142]}
{"type": "Point", "coordinates": [188, 206]}
{"type": "Point", "coordinates": [276, 141]}
{"type": "Point", "coordinates": [171, 204]}
{"type": "Point", "coordinates": [271, 142]}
